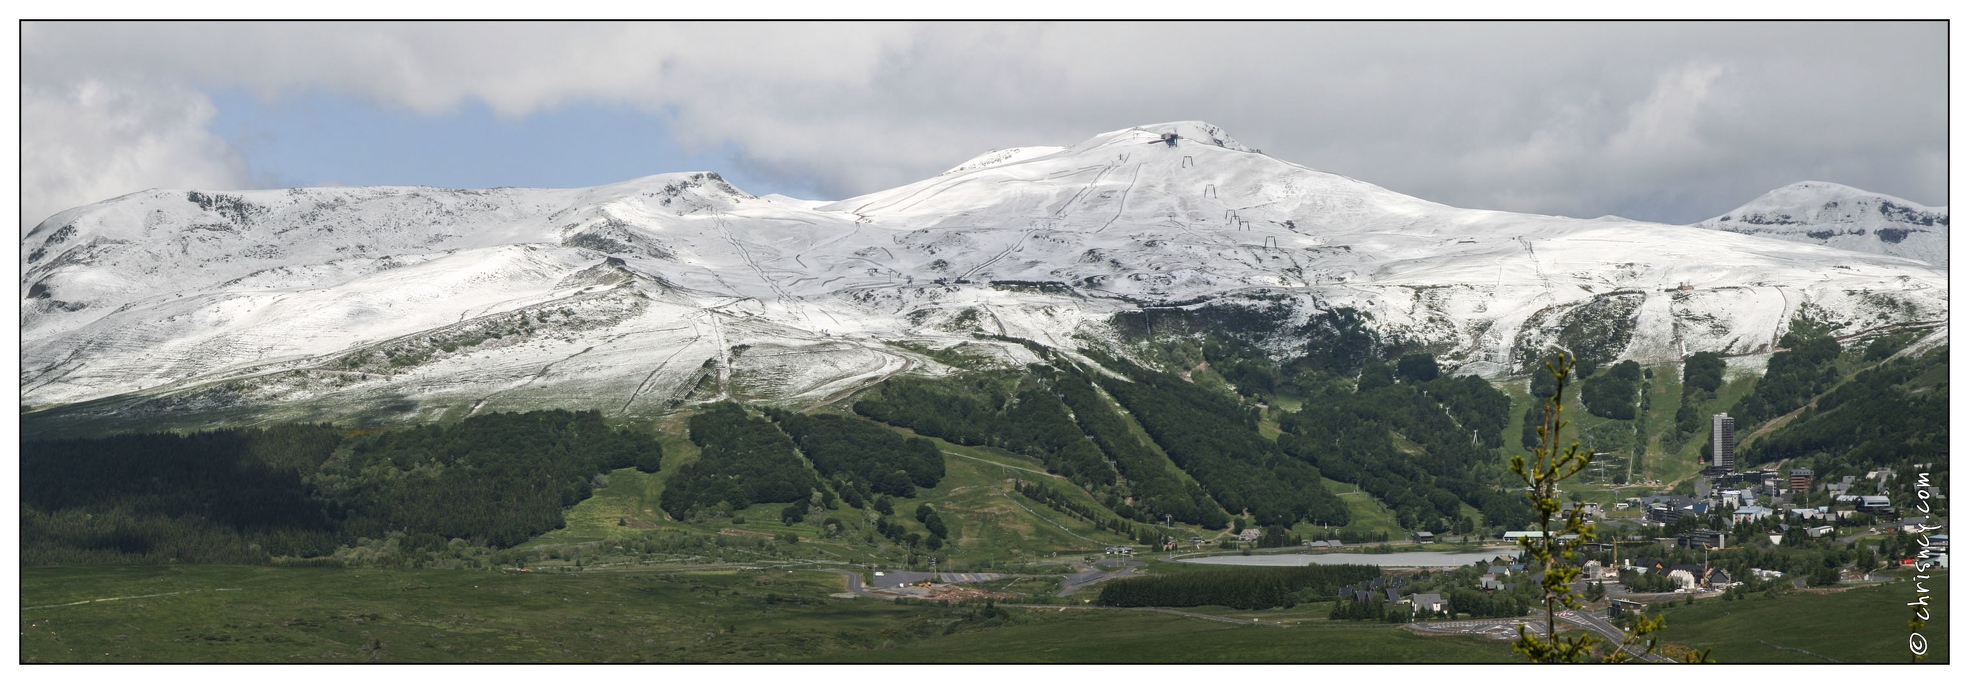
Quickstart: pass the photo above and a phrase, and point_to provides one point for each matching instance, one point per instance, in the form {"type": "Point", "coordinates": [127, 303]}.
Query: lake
{"type": "Point", "coordinates": [1425, 559]}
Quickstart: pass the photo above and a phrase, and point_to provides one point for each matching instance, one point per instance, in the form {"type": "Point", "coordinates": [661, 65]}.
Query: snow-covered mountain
{"type": "Point", "coordinates": [1845, 217]}
{"type": "Point", "coordinates": [334, 303]}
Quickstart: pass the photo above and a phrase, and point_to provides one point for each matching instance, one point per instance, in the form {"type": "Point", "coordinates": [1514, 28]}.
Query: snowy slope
{"type": "Point", "coordinates": [354, 303]}
{"type": "Point", "coordinates": [1848, 218]}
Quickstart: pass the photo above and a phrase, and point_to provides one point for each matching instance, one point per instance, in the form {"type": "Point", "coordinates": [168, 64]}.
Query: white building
{"type": "Point", "coordinates": [1748, 513]}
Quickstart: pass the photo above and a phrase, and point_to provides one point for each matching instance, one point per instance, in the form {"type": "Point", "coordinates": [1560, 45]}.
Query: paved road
{"type": "Point", "coordinates": [1496, 628]}
{"type": "Point", "coordinates": [1165, 611]}
{"type": "Point", "coordinates": [854, 584]}
{"type": "Point", "coordinates": [897, 578]}
{"type": "Point", "coordinates": [1095, 574]}
{"type": "Point", "coordinates": [1507, 628]}
{"type": "Point", "coordinates": [1612, 634]}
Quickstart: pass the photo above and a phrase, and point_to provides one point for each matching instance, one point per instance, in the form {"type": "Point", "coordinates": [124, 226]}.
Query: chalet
{"type": "Point", "coordinates": [1424, 537]}
{"type": "Point", "coordinates": [1912, 525]}
{"type": "Point", "coordinates": [1250, 534]}
{"type": "Point", "coordinates": [1815, 513]}
{"type": "Point", "coordinates": [1393, 594]}
{"type": "Point", "coordinates": [1749, 513]}
{"type": "Point", "coordinates": [1489, 583]}
{"type": "Point", "coordinates": [1429, 603]}
{"type": "Point", "coordinates": [1718, 578]}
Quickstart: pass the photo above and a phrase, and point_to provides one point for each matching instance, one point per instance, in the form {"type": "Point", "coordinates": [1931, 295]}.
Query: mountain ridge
{"type": "Point", "coordinates": [141, 304]}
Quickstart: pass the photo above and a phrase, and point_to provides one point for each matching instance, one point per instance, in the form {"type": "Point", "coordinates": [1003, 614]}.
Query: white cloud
{"type": "Point", "coordinates": [1660, 120]}
{"type": "Point", "coordinates": [94, 140]}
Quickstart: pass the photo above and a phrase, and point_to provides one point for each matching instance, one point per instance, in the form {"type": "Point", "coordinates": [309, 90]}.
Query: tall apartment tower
{"type": "Point", "coordinates": [1723, 442]}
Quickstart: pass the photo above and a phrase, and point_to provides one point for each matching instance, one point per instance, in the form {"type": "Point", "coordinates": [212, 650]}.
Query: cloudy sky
{"type": "Point", "coordinates": [1671, 122]}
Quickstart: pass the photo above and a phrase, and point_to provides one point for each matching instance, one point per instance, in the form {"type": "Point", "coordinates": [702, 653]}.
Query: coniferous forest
{"type": "Point", "coordinates": [225, 496]}
{"type": "Point", "coordinates": [249, 495]}
{"type": "Point", "coordinates": [1458, 421]}
{"type": "Point", "coordinates": [1216, 440]}
{"type": "Point", "coordinates": [744, 460]}
{"type": "Point", "coordinates": [1244, 588]}
{"type": "Point", "coordinates": [869, 457]}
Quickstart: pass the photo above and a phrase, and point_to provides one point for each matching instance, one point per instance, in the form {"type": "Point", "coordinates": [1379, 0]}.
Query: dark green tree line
{"type": "Point", "coordinates": [743, 461]}
{"type": "Point", "coordinates": [1243, 588]}
{"type": "Point", "coordinates": [871, 457]}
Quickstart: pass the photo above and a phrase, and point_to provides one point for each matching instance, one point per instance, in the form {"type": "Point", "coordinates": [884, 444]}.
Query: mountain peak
{"type": "Point", "coordinates": [1186, 132]}
{"type": "Point", "coordinates": [1845, 217]}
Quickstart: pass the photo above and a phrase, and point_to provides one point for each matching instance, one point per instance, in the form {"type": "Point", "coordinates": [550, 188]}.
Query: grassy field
{"type": "Point", "coordinates": [1862, 625]}
{"type": "Point", "coordinates": [314, 615]}
{"type": "Point", "coordinates": [1366, 514]}
{"type": "Point", "coordinates": [156, 614]}
{"type": "Point", "coordinates": [1122, 636]}
{"type": "Point", "coordinates": [208, 614]}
